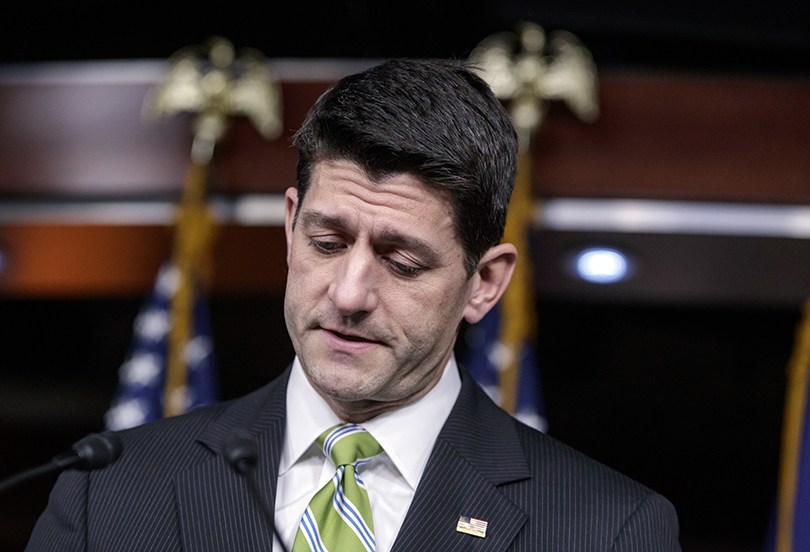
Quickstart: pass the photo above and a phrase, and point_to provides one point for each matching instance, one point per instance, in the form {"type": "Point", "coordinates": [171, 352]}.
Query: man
{"type": "Point", "coordinates": [393, 239]}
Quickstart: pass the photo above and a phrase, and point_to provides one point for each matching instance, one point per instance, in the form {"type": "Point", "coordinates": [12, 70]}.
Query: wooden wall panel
{"type": "Point", "coordinates": [75, 132]}
{"type": "Point", "coordinates": [673, 135]}
{"type": "Point", "coordinates": [75, 260]}
{"type": "Point", "coordinates": [683, 137]}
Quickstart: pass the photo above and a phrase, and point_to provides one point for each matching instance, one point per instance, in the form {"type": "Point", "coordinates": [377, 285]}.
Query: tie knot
{"type": "Point", "coordinates": [346, 443]}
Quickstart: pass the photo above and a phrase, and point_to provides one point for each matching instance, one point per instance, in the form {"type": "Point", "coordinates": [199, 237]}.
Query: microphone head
{"type": "Point", "coordinates": [241, 452]}
{"type": "Point", "coordinates": [97, 450]}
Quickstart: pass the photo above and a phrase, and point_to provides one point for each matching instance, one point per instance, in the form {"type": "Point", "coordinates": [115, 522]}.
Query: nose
{"type": "Point", "coordinates": [353, 288]}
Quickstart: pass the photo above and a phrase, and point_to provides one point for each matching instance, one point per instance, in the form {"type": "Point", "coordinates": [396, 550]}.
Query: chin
{"type": "Point", "coordinates": [340, 382]}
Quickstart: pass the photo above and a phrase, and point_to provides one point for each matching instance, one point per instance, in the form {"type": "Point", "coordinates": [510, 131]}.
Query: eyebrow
{"type": "Point", "coordinates": [316, 218]}
{"type": "Point", "coordinates": [421, 248]}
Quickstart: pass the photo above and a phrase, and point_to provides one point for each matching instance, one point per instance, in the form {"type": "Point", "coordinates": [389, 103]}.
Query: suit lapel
{"type": "Point", "coordinates": [462, 478]}
{"type": "Point", "coordinates": [476, 452]}
{"type": "Point", "coordinates": [216, 509]}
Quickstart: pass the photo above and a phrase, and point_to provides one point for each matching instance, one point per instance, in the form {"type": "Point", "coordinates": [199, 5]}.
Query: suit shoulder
{"type": "Point", "coordinates": [551, 459]}
{"type": "Point", "coordinates": [569, 489]}
{"type": "Point", "coordinates": [180, 438]}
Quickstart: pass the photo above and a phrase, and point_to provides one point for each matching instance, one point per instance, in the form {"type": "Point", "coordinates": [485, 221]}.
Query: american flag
{"type": "Point", "coordinates": [486, 358]}
{"type": "Point", "coordinates": [472, 526]}
{"type": "Point", "coordinates": [139, 396]}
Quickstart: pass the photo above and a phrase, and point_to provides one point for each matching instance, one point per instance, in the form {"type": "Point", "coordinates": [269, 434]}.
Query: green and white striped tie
{"type": "Point", "coordinates": [338, 518]}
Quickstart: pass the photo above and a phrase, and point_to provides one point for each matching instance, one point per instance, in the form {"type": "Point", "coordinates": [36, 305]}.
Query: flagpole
{"type": "Point", "coordinates": [193, 238]}
{"type": "Point", "coordinates": [215, 87]}
{"type": "Point", "coordinates": [529, 71]}
{"type": "Point", "coordinates": [792, 430]}
{"type": "Point", "coordinates": [518, 300]}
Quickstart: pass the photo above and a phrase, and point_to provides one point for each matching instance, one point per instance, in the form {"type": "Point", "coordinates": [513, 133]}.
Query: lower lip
{"type": "Point", "coordinates": [336, 342]}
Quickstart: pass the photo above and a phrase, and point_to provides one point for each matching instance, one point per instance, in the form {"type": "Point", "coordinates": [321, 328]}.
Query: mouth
{"type": "Point", "coordinates": [345, 337]}
{"type": "Point", "coordinates": [349, 337]}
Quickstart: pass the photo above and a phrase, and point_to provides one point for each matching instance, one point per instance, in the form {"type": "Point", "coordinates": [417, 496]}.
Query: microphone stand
{"type": "Point", "coordinates": [89, 453]}
{"type": "Point", "coordinates": [242, 455]}
{"type": "Point", "coordinates": [31, 473]}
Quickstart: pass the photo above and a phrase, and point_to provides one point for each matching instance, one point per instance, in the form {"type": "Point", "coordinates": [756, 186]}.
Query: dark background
{"type": "Point", "coordinates": [685, 396]}
{"type": "Point", "coordinates": [763, 37]}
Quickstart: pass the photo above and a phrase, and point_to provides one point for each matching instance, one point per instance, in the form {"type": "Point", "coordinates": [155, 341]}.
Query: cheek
{"type": "Point", "coordinates": [304, 284]}
{"type": "Point", "coordinates": [431, 311]}
{"type": "Point", "coordinates": [304, 268]}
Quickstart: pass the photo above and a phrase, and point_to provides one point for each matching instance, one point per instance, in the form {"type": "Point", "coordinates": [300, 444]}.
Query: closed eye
{"type": "Point", "coordinates": [327, 247]}
{"type": "Point", "coordinates": [403, 269]}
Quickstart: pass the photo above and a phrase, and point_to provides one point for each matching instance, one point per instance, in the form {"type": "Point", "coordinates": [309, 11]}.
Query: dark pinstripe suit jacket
{"type": "Point", "coordinates": [171, 490]}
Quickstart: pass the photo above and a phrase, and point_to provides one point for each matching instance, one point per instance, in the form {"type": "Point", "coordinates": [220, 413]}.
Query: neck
{"type": "Point", "coordinates": [359, 411]}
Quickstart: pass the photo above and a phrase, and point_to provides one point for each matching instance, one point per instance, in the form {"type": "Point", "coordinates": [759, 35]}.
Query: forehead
{"type": "Point", "coordinates": [341, 189]}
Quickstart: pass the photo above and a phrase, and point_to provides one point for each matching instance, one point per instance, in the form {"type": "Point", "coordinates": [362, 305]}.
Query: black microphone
{"type": "Point", "coordinates": [241, 452]}
{"type": "Point", "coordinates": [242, 455]}
{"type": "Point", "coordinates": [89, 453]}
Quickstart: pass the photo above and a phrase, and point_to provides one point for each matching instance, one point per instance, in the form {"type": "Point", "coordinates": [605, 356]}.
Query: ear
{"type": "Point", "coordinates": [290, 205]}
{"type": "Point", "coordinates": [490, 280]}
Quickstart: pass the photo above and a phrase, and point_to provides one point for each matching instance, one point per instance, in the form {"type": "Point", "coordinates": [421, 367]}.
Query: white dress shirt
{"type": "Point", "coordinates": [406, 434]}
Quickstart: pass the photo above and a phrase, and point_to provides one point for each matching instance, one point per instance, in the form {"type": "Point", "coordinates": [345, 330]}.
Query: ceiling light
{"type": "Point", "coordinates": [601, 265]}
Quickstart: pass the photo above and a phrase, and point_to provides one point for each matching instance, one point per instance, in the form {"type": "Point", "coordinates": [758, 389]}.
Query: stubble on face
{"type": "Point", "coordinates": [376, 288]}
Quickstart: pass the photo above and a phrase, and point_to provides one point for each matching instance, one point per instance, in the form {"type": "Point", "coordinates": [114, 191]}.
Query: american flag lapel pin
{"type": "Point", "coordinates": [472, 526]}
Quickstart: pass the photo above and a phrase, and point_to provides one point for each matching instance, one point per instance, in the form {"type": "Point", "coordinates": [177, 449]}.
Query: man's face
{"type": "Point", "coordinates": [376, 287]}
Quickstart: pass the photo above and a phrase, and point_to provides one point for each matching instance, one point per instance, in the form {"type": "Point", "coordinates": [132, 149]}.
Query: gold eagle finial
{"type": "Point", "coordinates": [530, 70]}
{"type": "Point", "coordinates": [216, 85]}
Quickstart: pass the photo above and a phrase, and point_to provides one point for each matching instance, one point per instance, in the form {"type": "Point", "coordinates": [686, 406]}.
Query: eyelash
{"type": "Point", "coordinates": [405, 270]}
{"type": "Point", "coordinates": [331, 248]}
{"type": "Point", "coordinates": [325, 247]}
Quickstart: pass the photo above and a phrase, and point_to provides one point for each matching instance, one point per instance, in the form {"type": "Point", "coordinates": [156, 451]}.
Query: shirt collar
{"type": "Point", "coordinates": [308, 416]}
{"type": "Point", "coordinates": [406, 434]}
